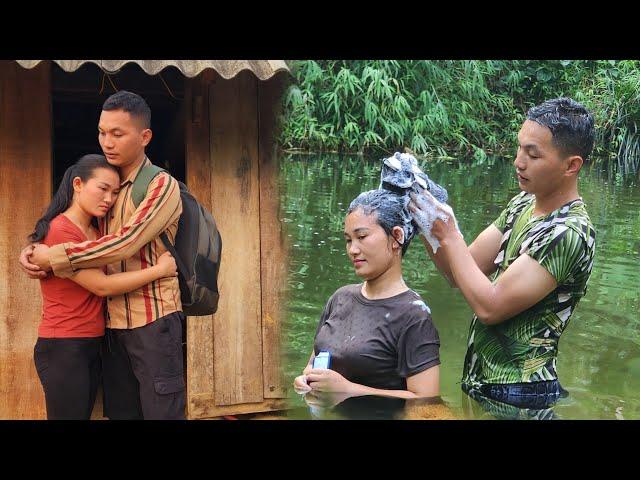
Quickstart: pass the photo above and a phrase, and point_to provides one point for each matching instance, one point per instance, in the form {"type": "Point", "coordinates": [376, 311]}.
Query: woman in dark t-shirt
{"type": "Point", "coordinates": [379, 333]}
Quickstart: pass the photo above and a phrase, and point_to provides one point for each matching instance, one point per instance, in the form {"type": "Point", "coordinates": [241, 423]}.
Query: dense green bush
{"type": "Point", "coordinates": [444, 108]}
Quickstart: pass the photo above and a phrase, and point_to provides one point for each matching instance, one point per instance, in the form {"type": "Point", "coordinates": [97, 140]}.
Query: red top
{"type": "Point", "coordinates": [68, 310]}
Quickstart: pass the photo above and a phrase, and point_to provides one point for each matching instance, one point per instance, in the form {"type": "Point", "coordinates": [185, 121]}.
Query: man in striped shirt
{"type": "Point", "coordinates": [142, 356]}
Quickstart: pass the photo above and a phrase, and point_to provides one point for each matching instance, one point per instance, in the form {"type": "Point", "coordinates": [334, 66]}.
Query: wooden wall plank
{"type": "Point", "coordinates": [203, 406]}
{"type": "Point", "coordinates": [198, 180]}
{"type": "Point", "coordinates": [273, 249]}
{"type": "Point", "coordinates": [25, 187]}
{"type": "Point", "coordinates": [235, 206]}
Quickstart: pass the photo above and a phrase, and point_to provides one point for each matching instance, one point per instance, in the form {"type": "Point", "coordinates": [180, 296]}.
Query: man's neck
{"type": "Point", "coordinates": [545, 204]}
{"type": "Point", "coordinates": [125, 171]}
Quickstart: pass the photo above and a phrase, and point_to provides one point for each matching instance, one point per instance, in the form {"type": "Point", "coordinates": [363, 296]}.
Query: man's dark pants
{"type": "Point", "coordinates": [143, 371]}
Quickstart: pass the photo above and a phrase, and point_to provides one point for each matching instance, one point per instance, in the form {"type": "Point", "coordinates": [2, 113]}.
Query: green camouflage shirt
{"type": "Point", "coordinates": [524, 348]}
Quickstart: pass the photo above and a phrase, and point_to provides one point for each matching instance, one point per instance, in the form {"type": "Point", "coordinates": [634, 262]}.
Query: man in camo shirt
{"type": "Point", "coordinates": [524, 275]}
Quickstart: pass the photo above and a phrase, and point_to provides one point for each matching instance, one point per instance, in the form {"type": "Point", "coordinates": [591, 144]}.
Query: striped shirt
{"type": "Point", "coordinates": [131, 242]}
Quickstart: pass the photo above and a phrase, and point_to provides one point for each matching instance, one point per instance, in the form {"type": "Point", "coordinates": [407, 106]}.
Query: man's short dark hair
{"type": "Point", "coordinates": [131, 103]}
{"type": "Point", "coordinates": [571, 125]}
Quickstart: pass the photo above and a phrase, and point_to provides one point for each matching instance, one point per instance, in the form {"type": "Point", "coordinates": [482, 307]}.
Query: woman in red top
{"type": "Point", "coordinates": [67, 352]}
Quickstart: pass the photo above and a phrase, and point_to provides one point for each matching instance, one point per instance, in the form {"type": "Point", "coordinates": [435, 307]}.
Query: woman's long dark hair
{"type": "Point", "coordinates": [83, 168]}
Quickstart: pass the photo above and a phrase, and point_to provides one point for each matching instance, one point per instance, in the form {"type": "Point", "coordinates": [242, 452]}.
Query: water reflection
{"type": "Point", "coordinates": [599, 354]}
{"type": "Point", "coordinates": [332, 406]}
{"type": "Point", "coordinates": [476, 406]}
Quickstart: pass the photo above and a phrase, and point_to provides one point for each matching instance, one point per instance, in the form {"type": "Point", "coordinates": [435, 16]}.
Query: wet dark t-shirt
{"type": "Point", "coordinates": [377, 343]}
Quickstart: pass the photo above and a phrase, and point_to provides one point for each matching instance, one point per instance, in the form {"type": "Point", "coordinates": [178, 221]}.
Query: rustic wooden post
{"type": "Point", "coordinates": [25, 186]}
{"type": "Point", "coordinates": [273, 252]}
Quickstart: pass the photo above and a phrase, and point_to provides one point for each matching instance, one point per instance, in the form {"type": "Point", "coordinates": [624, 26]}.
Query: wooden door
{"type": "Point", "coordinates": [227, 370]}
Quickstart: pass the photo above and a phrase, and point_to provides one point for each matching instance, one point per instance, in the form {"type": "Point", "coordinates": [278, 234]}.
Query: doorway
{"type": "Point", "coordinates": [77, 99]}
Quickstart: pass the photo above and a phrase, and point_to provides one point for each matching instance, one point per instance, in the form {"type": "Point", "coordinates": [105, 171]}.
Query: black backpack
{"type": "Point", "coordinates": [197, 249]}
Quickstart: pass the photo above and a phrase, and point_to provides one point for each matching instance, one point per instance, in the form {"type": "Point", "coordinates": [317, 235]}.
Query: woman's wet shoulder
{"type": "Point", "coordinates": [417, 305]}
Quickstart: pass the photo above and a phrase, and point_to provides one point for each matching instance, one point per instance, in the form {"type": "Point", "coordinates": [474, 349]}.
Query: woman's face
{"type": "Point", "coordinates": [98, 194]}
{"type": "Point", "coordinates": [370, 249]}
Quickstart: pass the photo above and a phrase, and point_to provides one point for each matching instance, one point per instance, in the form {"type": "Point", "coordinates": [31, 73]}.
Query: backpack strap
{"type": "Point", "coordinates": [182, 268]}
{"type": "Point", "coordinates": [142, 181]}
{"type": "Point", "coordinates": [138, 192]}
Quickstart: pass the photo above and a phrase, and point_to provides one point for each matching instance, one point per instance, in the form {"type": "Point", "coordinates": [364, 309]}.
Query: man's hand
{"type": "Point", "coordinates": [40, 257]}
{"type": "Point", "coordinates": [32, 270]}
{"type": "Point", "coordinates": [435, 220]}
{"type": "Point", "coordinates": [444, 230]}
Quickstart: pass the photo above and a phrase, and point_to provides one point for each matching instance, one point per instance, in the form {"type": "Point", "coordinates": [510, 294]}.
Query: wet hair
{"type": "Point", "coordinates": [571, 125]}
{"type": "Point", "coordinates": [391, 210]}
{"type": "Point", "coordinates": [62, 200]}
{"type": "Point", "coordinates": [131, 103]}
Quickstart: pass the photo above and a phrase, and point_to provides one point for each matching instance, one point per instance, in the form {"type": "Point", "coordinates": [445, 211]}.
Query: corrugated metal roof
{"type": "Point", "coordinates": [263, 69]}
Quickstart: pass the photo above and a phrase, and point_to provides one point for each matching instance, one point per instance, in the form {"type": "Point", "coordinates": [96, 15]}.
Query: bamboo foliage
{"type": "Point", "coordinates": [463, 108]}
